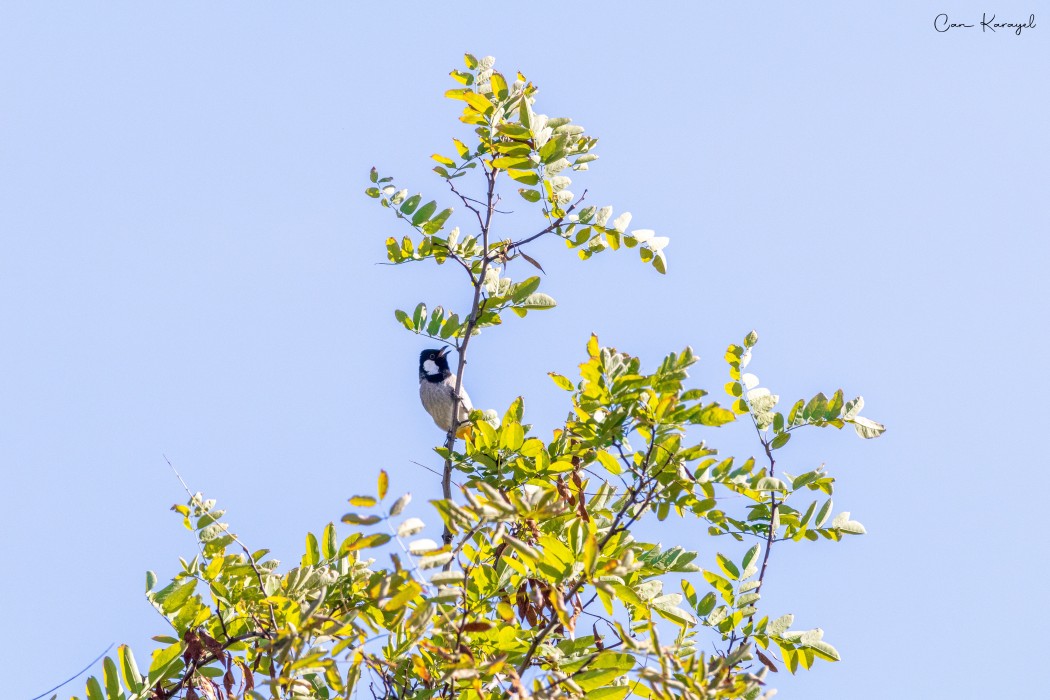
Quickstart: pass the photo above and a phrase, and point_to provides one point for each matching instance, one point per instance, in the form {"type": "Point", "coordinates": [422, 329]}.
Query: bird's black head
{"type": "Point", "coordinates": [433, 365]}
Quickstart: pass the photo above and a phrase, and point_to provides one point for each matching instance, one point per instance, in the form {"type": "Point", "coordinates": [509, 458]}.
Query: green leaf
{"type": "Point", "coordinates": [527, 553]}
{"type": "Point", "coordinates": [611, 464]}
{"type": "Point", "coordinates": [162, 658]}
{"type": "Point", "coordinates": [676, 615]}
{"type": "Point", "coordinates": [627, 595]}
{"type": "Point", "coordinates": [728, 567]}
{"type": "Point", "coordinates": [529, 195]}
{"type": "Point", "coordinates": [714, 415]}
{"type": "Point", "coordinates": [824, 650]}
{"type": "Point", "coordinates": [522, 290]}
{"type": "Point", "coordinates": [410, 590]}
{"type": "Point", "coordinates": [376, 540]}
{"type": "Point", "coordinates": [512, 437]}
{"type": "Point", "coordinates": [834, 407]}
{"type": "Point", "coordinates": [463, 77]}
{"type": "Point", "coordinates": [814, 410]}
{"type": "Point", "coordinates": [419, 316]}
{"type": "Point", "coordinates": [499, 86]}
{"type": "Point", "coordinates": [129, 670]}
{"type": "Point", "coordinates": [690, 593]}
{"type": "Point", "coordinates": [424, 212]}
{"type": "Point", "coordinates": [178, 597]}
{"type": "Point", "coordinates": [610, 692]}
{"type": "Point", "coordinates": [94, 690]}
{"type": "Point", "coordinates": [512, 163]}
{"type": "Point", "coordinates": [329, 543]}
{"type": "Point", "coordinates": [525, 177]}
{"type": "Point", "coordinates": [437, 221]}
{"type": "Point", "coordinates": [779, 441]}
{"type": "Point", "coordinates": [109, 675]}
{"type": "Point", "coordinates": [660, 262]}
{"type": "Point", "coordinates": [823, 513]}
{"type": "Point", "coordinates": [436, 317]}
{"type": "Point", "coordinates": [514, 412]}
{"type": "Point", "coordinates": [751, 555]}
{"type": "Point", "coordinates": [410, 204]}
{"type": "Point", "coordinates": [356, 519]}
{"type": "Point", "coordinates": [450, 326]}
{"type": "Point", "coordinates": [313, 552]}
{"type": "Point", "coordinates": [532, 447]}
{"type": "Point", "coordinates": [706, 604]}
{"type": "Point", "coordinates": [538, 300]}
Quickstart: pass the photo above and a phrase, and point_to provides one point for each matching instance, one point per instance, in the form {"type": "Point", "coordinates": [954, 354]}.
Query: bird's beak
{"type": "Point", "coordinates": [444, 351]}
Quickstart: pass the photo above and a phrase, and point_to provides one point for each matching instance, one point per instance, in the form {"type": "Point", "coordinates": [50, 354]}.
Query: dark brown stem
{"type": "Point", "coordinates": [554, 225]}
{"type": "Point", "coordinates": [472, 322]}
{"type": "Point", "coordinates": [771, 534]}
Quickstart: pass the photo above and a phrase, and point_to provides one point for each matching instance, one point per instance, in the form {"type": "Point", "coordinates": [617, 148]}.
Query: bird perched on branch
{"type": "Point", "coordinates": [437, 390]}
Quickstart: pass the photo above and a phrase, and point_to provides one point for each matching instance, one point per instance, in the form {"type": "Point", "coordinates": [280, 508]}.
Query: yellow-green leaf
{"type": "Point", "coordinates": [499, 86]}
{"type": "Point", "coordinates": [561, 381]}
{"type": "Point", "coordinates": [512, 437]}
{"type": "Point", "coordinates": [592, 346]}
{"type": "Point", "coordinates": [409, 591]}
{"type": "Point", "coordinates": [163, 657]}
{"type": "Point", "coordinates": [313, 552]}
{"type": "Point", "coordinates": [178, 597]}
{"type": "Point", "coordinates": [129, 670]}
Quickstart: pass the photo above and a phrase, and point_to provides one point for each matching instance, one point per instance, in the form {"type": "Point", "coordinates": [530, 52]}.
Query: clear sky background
{"type": "Point", "coordinates": [187, 268]}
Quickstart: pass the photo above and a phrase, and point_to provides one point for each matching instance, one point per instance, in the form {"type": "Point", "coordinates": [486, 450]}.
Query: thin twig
{"type": "Point", "coordinates": [74, 676]}
{"type": "Point", "coordinates": [472, 322]}
{"type": "Point", "coordinates": [554, 225]}
{"type": "Point", "coordinates": [772, 532]}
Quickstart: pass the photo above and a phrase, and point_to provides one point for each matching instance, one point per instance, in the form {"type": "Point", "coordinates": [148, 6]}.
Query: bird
{"type": "Point", "coordinates": [437, 389]}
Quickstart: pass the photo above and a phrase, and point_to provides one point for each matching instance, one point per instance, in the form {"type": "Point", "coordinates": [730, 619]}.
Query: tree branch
{"type": "Point", "coordinates": [472, 323]}
{"type": "Point", "coordinates": [554, 225]}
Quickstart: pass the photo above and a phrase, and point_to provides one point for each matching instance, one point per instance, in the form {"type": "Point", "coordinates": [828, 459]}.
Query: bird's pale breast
{"type": "Point", "coordinates": [437, 400]}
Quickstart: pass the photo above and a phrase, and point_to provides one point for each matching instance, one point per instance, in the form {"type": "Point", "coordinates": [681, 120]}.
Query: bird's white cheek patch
{"type": "Point", "coordinates": [430, 367]}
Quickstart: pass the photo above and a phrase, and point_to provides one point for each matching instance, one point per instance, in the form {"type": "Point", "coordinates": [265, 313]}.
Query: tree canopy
{"type": "Point", "coordinates": [540, 586]}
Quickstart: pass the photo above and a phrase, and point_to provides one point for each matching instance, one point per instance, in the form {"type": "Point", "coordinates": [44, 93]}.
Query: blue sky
{"type": "Point", "coordinates": [187, 268]}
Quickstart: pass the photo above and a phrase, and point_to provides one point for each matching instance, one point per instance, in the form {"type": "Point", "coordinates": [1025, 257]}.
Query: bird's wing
{"type": "Point", "coordinates": [465, 407]}
{"type": "Point", "coordinates": [464, 400]}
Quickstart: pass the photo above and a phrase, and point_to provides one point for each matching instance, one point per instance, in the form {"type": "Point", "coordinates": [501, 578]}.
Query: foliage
{"type": "Point", "coordinates": [540, 587]}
